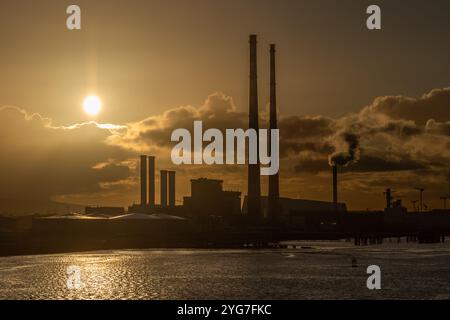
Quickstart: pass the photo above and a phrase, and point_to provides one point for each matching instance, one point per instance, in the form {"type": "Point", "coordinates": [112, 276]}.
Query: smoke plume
{"type": "Point", "coordinates": [348, 150]}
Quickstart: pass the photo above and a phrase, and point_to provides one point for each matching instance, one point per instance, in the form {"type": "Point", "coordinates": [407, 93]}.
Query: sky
{"type": "Point", "coordinates": [160, 65]}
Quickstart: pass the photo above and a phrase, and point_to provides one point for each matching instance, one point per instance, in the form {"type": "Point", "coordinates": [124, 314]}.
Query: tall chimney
{"type": "Point", "coordinates": [163, 177]}
{"type": "Point", "coordinates": [172, 189]}
{"type": "Point", "coordinates": [388, 198]}
{"type": "Point", "coordinates": [274, 192]}
{"type": "Point", "coordinates": [151, 181]}
{"type": "Point", "coordinates": [335, 187]}
{"type": "Point", "coordinates": [143, 181]}
{"type": "Point", "coordinates": [254, 184]}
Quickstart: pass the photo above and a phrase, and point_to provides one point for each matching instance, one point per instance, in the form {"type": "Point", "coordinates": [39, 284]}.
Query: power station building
{"type": "Point", "coordinates": [209, 199]}
{"type": "Point", "coordinates": [148, 189]}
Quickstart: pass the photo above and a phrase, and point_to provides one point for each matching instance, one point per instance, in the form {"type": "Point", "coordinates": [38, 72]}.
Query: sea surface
{"type": "Point", "coordinates": [314, 270]}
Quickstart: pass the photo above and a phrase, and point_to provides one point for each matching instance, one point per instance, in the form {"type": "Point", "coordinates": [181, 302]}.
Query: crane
{"type": "Point", "coordinates": [414, 204]}
{"type": "Point", "coordinates": [444, 199]}
{"type": "Point", "coordinates": [421, 190]}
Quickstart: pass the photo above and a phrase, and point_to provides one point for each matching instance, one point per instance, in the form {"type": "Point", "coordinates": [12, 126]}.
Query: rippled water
{"type": "Point", "coordinates": [319, 270]}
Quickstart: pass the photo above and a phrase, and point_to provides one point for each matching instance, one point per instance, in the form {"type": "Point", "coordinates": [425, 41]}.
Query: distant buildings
{"type": "Point", "coordinates": [209, 199]}
{"type": "Point", "coordinates": [301, 213]}
{"type": "Point", "coordinates": [289, 206]}
{"type": "Point", "coordinates": [104, 211]}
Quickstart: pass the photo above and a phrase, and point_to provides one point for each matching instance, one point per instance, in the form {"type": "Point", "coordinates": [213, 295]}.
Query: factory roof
{"type": "Point", "coordinates": [73, 216]}
{"type": "Point", "coordinates": [143, 216]}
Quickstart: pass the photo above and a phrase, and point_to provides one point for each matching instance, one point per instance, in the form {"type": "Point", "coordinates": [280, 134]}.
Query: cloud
{"type": "Point", "coordinates": [40, 160]}
{"type": "Point", "coordinates": [153, 133]}
{"type": "Point", "coordinates": [394, 137]}
{"type": "Point", "coordinates": [385, 136]}
{"type": "Point", "coordinates": [432, 105]}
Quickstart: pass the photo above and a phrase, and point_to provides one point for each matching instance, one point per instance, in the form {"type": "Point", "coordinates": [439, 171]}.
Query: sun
{"type": "Point", "coordinates": [92, 105]}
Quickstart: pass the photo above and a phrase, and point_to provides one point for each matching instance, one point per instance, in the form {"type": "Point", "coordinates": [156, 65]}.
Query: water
{"type": "Point", "coordinates": [319, 270]}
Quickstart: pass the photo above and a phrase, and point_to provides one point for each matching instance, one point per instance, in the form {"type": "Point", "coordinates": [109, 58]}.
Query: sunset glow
{"type": "Point", "coordinates": [92, 105]}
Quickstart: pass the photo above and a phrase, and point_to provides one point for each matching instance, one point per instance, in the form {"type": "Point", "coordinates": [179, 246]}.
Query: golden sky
{"type": "Point", "coordinates": [159, 65]}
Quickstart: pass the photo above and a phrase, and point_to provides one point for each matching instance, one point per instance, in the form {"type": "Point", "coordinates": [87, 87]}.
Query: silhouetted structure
{"type": "Point", "coordinates": [298, 209]}
{"type": "Point", "coordinates": [151, 225]}
{"type": "Point", "coordinates": [335, 185]}
{"type": "Point", "coordinates": [172, 189]}
{"type": "Point", "coordinates": [104, 211]}
{"type": "Point", "coordinates": [209, 199]}
{"type": "Point", "coordinates": [254, 183]}
{"type": "Point", "coordinates": [421, 190]}
{"type": "Point", "coordinates": [163, 177]}
{"type": "Point", "coordinates": [151, 181]}
{"type": "Point", "coordinates": [143, 181]}
{"type": "Point", "coordinates": [274, 190]}
{"type": "Point", "coordinates": [444, 201]}
{"type": "Point", "coordinates": [388, 194]}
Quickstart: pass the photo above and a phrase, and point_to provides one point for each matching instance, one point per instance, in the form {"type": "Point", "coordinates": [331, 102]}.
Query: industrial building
{"type": "Point", "coordinates": [209, 199]}
{"type": "Point", "coordinates": [291, 206]}
{"type": "Point", "coordinates": [302, 213]}
{"type": "Point", "coordinates": [104, 211]}
{"type": "Point", "coordinates": [148, 189]}
{"type": "Point", "coordinates": [133, 224]}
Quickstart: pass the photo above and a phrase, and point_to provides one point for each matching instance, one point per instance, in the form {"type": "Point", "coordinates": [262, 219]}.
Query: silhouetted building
{"type": "Point", "coordinates": [104, 211]}
{"type": "Point", "coordinates": [147, 226]}
{"type": "Point", "coordinates": [289, 206]}
{"type": "Point", "coordinates": [362, 221]}
{"type": "Point", "coordinates": [209, 199]}
{"type": "Point", "coordinates": [303, 213]}
{"type": "Point", "coordinates": [70, 225]}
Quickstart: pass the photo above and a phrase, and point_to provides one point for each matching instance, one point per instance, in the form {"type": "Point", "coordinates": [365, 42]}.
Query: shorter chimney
{"type": "Point", "coordinates": [172, 189]}
{"type": "Point", "coordinates": [163, 177]}
{"type": "Point", "coordinates": [335, 187]}
{"type": "Point", "coordinates": [151, 181]}
{"type": "Point", "coordinates": [143, 181]}
{"type": "Point", "coordinates": [388, 198]}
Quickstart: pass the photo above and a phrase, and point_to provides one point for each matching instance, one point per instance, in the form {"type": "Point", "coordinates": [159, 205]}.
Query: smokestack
{"type": "Point", "coordinates": [163, 177]}
{"type": "Point", "coordinates": [151, 181]}
{"type": "Point", "coordinates": [172, 189]}
{"type": "Point", "coordinates": [388, 198]}
{"type": "Point", "coordinates": [143, 181]}
{"type": "Point", "coordinates": [335, 187]}
{"type": "Point", "coordinates": [254, 187]}
{"type": "Point", "coordinates": [274, 192]}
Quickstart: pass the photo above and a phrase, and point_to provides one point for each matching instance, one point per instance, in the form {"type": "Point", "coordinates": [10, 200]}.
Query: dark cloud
{"type": "Point", "coordinates": [295, 127]}
{"type": "Point", "coordinates": [439, 128]}
{"type": "Point", "coordinates": [400, 128]}
{"type": "Point", "coordinates": [433, 105]}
